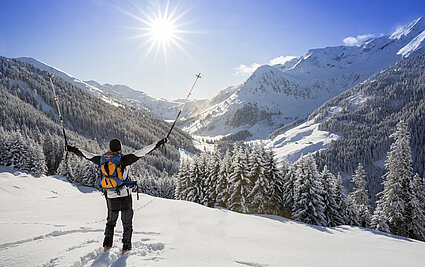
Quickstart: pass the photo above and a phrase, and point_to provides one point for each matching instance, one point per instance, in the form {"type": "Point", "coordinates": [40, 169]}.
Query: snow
{"type": "Point", "coordinates": [414, 45]}
{"type": "Point", "coordinates": [302, 139]}
{"type": "Point", "coordinates": [47, 221]}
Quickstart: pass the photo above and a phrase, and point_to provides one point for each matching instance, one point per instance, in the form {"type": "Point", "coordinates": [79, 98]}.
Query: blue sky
{"type": "Point", "coordinates": [95, 39]}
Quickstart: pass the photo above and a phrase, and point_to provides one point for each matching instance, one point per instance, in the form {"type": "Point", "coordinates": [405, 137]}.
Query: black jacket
{"type": "Point", "coordinates": [126, 160]}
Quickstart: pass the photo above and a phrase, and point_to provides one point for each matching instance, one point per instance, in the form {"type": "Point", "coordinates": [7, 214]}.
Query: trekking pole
{"type": "Point", "coordinates": [180, 112]}
{"type": "Point", "coordinates": [59, 112]}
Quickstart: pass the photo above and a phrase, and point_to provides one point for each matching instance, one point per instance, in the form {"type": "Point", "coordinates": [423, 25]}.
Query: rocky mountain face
{"type": "Point", "coordinates": [277, 95]}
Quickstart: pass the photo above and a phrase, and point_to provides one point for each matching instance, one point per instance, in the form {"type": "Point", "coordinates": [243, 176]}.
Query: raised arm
{"type": "Point", "coordinates": [131, 158]}
{"type": "Point", "coordinates": [82, 153]}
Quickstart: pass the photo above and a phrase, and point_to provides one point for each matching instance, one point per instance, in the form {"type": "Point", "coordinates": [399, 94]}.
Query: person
{"type": "Point", "coordinates": [119, 199]}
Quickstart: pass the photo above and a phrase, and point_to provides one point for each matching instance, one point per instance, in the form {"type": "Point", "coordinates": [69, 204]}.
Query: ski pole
{"type": "Point", "coordinates": [184, 103]}
{"type": "Point", "coordinates": [59, 112]}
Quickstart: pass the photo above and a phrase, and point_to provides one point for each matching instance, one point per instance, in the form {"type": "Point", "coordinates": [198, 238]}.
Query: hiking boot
{"type": "Point", "coordinates": [126, 247]}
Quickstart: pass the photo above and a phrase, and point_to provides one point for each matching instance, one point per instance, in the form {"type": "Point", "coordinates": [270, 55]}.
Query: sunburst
{"type": "Point", "coordinates": [161, 31]}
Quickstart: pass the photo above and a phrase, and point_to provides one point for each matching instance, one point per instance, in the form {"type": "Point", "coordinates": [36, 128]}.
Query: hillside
{"type": "Point", "coordinates": [59, 224]}
{"type": "Point", "coordinates": [27, 105]}
{"type": "Point", "coordinates": [277, 95]}
{"type": "Point", "coordinates": [366, 116]}
{"type": "Point", "coordinates": [163, 108]}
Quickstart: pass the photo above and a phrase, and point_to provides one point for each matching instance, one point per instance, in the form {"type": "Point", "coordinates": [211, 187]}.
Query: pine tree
{"type": "Point", "coordinates": [333, 217]}
{"type": "Point", "coordinates": [415, 211]}
{"type": "Point", "coordinates": [308, 194]}
{"type": "Point", "coordinates": [195, 191]}
{"type": "Point", "coordinates": [352, 216]}
{"type": "Point", "coordinates": [392, 209]}
{"type": "Point", "coordinates": [360, 197]}
{"type": "Point", "coordinates": [288, 188]}
{"type": "Point", "coordinates": [213, 169]}
{"type": "Point", "coordinates": [274, 177]}
{"type": "Point", "coordinates": [183, 181]}
{"type": "Point", "coordinates": [240, 185]}
{"type": "Point", "coordinates": [341, 202]}
{"type": "Point", "coordinates": [91, 174]}
{"type": "Point", "coordinates": [259, 197]}
{"type": "Point", "coordinates": [223, 184]}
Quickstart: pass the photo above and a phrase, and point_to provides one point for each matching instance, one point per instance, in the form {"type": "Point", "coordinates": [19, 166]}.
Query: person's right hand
{"type": "Point", "coordinates": [71, 148]}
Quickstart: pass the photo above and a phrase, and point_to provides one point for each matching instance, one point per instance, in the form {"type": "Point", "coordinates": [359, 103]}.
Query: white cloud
{"type": "Point", "coordinates": [351, 41]}
{"type": "Point", "coordinates": [280, 60]}
{"type": "Point", "coordinates": [244, 69]}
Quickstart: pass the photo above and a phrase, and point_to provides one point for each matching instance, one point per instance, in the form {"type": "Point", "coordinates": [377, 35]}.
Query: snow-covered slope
{"type": "Point", "coordinates": [47, 221]}
{"type": "Point", "coordinates": [276, 95]}
{"type": "Point", "coordinates": [166, 109]}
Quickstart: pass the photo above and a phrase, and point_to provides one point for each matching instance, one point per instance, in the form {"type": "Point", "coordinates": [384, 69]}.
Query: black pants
{"type": "Point", "coordinates": [115, 205]}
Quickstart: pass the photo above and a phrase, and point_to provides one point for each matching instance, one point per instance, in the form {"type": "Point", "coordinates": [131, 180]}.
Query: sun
{"type": "Point", "coordinates": [161, 30]}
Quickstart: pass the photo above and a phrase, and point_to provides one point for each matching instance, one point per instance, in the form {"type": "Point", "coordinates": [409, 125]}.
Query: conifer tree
{"type": "Point", "coordinates": [90, 174]}
{"type": "Point", "coordinates": [195, 191]}
{"type": "Point", "coordinates": [308, 194]}
{"type": "Point", "coordinates": [333, 217]}
{"type": "Point", "coordinates": [213, 169]}
{"type": "Point", "coordinates": [259, 197]}
{"type": "Point", "coordinates": [360, 197]}
{"type": "Point", "coordinates": [223, 184]}
{"type": "Point", "coordinates": [274, 178]}
{"type": "Point", "coordinates": [352, 216]}
{"type": "Point", "coordinates": [183, 181]}
{"type": "Point", "coordinates": [392, 208]}
{"type": "Point", "coordinates": [415, 210]}
{"type": "Point", "coordinates": [341, 202]}
{"type": "Point", "coordinates": [240, 184]}
{"type": "Point", "coordinates": [288, 187]}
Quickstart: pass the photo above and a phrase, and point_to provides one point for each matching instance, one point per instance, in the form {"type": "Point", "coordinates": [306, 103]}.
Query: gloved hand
{"type": "Point", "coordinates": [71, 148]}
{"type": "Point", "coordinates": [161, 142]}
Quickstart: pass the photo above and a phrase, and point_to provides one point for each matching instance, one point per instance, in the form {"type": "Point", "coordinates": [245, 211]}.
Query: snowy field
{"type": "Point", "coordinates": [48, 222]}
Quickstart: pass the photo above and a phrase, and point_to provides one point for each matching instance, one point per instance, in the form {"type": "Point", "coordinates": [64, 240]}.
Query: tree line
{"type": "Point", "coordinates": [248, 180]}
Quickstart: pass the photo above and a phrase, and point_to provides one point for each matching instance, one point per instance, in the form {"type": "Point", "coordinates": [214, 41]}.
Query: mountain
{"type": "Point", "coordinates": [115, 94]}
{"type": "Point", "coordinates": [355, 126]}
{"type": "Point", "coordinates": [27, 105]}
{"type": "Point", "coordinates": [274, 96]}
{"type": "Point", "coordinates": [55, 223]}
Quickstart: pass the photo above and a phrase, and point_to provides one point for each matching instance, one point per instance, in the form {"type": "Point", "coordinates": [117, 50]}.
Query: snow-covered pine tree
{"type": "Point", "coordinates": [341, 201]}
{"type": "Point", "coordinates": [392, 207]}
{"type": "Point", "coordinates": [195, 191]}
{"type": "Point", "coordinates": [333, 217]}
{"type": "Point", "coordinates": [274, 177]}
{"type": "Point", "coordinates": [308, 194]}
{"type": "Point", "coordinates": [352, 216]}
{"type": "Point", "coordinates": [37, 163]}
{"type": "Point", "coordinates": [17, 155]}
{"type": "Point", "coordinates": [360, 197]}
{"type": "Point", "coordinates": [212, 178]}
{"type": "Point", "coordinates": [288, 187]}
{"type": "Point", "coordinates": [240, 185]}
{"type": "Point", "coordinates": [259, 196]}
{"type": "Point", "coordinates": [223, 185]}
{"type": "Point", "coordinates": [90, 174]}
{"type": "Point", "coordinates": [183, 181]}
{"type": "Point", "coordinates": [65, 168]}
{"type": "Point", "coordinates": [415, 211]}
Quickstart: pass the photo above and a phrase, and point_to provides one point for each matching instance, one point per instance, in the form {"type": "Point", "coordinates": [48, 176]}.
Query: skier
{"type": "Point", "coordinates": [120, 198]}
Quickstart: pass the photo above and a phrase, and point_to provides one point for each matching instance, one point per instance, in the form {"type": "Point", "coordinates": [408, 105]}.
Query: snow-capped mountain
{"type": "Point", "coordinates": [277, 95]}
{"type": "Point", "coordinates": [114, 94]}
